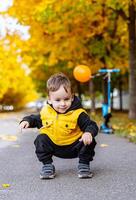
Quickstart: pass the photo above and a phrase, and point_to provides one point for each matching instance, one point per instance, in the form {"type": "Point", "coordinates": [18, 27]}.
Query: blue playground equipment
{"type": "Point", "coordinates": [106, 107]}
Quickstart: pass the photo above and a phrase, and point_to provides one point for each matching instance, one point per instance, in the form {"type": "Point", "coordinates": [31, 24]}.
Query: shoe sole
{"type": "Point", "coordinates": [83, 176]}
{"type": "Point", "coordinates": [47, 177]}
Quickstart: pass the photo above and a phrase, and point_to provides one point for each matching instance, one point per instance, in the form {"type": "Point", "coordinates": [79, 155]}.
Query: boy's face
{"type": "Point", "coordinates": [60, 99]}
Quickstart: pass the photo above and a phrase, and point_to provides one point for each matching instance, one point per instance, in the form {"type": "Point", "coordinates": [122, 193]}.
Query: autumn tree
{"type": "Point", "coordinates": [67, 33]}
{"type": "Point", "coordinates": [16, 87]}
{"type": "Point", "coordinates": [132, 58]}
{"type": "Point", "coordinates": [73, 32]}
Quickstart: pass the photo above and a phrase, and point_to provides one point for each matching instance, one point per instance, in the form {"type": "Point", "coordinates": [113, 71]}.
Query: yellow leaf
{"type": "Point", "coordinates": [8, 137]}
{"type": "Point", "coordinates": [104, 145]}
{"type": "Point", "coordinates": [16, 145]}
{"type": "Point", "coordinates": [5, 185]}
{"type": "Point", "coordinates": [115, 127]}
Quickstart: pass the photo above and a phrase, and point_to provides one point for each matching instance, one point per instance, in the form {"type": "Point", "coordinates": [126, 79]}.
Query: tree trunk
{"type": "Point", "coordinates": [120, 93]}
{"type": "Point", "coordinates": [105, 89]}
{"type": "Point", "coordinates": [92, 96]}
{"type": "Point", "coordinates": [132, 54]}
{"type": "Point", "coordinates": [79, 91]}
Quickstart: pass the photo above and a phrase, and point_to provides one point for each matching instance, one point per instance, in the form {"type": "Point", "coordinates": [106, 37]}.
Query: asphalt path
{"type": "Point", "coordinates": [114, 169]}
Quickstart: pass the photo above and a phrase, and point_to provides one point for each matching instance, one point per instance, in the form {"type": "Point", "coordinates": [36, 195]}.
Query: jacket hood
{"type": "Point", "coordinates": [76, 104]}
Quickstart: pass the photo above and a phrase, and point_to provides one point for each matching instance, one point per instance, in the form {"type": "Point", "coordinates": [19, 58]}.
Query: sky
{"type": "Point", "coordinates": [5, 4]}
{"type": "Point", "coordinates": [9, 24]}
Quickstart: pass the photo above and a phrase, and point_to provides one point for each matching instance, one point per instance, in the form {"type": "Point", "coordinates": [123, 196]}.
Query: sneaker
{"type": "Point", "coordinates": [47, 171]}
{"type": "Point", "coordinates": [84, 171]}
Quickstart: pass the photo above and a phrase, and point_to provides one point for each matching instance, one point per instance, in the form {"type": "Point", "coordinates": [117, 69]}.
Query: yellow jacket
{"type": "Point", "coordinates": [62, 129]}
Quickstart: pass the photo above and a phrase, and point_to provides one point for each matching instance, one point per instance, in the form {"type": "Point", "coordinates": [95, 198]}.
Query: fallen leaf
{"type": "Point", "coordinates": [5, 185]}
{"type": "Point", "coordinates": [8, 137]}
{"type": "Point", "coordinates": [104, 145]}
{"type": "Point", "coordinates": [16, 145]}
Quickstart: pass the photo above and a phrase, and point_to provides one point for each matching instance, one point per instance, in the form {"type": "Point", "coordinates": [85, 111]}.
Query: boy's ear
{"type": "Point", "coordinates": [72, 97]}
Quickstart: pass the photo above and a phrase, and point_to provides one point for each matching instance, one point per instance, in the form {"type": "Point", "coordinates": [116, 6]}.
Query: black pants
{"type": "Point", "coordinates": [45, 149]}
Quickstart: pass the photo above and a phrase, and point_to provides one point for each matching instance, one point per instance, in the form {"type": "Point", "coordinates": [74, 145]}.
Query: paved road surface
{"type": "Point", "coordinates": [114, 170]}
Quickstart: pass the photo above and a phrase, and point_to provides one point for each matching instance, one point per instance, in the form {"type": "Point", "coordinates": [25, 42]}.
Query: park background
{"type": "Point", "coordinates": [41, 37]}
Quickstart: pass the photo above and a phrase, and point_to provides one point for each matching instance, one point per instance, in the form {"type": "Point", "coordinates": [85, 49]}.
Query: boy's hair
{"type": "Point", "coordinates": [56, 80]}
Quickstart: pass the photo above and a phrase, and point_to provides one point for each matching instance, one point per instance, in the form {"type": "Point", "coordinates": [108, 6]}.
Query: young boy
{"type": "Point", "coordinates": [66, 130]}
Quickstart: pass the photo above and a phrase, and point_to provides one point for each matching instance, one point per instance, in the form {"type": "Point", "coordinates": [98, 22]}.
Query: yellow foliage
{"type": "Point", "coordinates": [68, 30]}
{"type": "Point", "coordinates": [16, 86]}
{"type": "Point", "coordinates": [132, 134]}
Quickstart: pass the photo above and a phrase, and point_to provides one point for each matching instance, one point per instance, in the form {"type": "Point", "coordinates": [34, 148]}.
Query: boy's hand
{"type": "Point", "coordinates": [24, 124]}
{"type": "Point", "coordinates": [86, 138]}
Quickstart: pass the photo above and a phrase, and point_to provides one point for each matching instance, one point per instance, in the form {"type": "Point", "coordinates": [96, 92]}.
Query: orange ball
{"type": "Point", "coordinates": [82, 73]}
